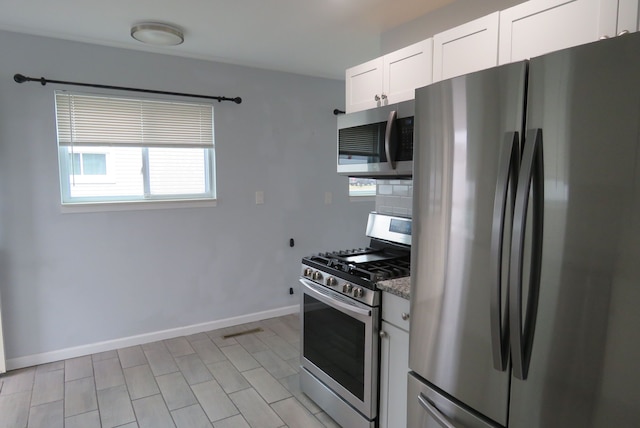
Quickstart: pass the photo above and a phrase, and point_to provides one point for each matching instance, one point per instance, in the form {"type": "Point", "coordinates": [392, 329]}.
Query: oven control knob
{"type": "Point", "coordinates": [358, 292]}
{"type": "Point", "coordinates": [307, 272]}
{"type": "Point", "coordinates": [347, 288]}
{"type": "Point", "coordinates": [316, 276]}
{"type": "Point", "coordinates": [332, 282]}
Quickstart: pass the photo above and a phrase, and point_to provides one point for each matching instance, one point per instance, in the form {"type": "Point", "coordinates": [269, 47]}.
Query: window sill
{"type": "Point", "coordinates": [135, 206]}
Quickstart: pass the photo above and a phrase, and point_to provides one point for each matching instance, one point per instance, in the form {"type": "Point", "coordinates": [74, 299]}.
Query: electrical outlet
{"type": "Point", "coordinates": [259, 197]}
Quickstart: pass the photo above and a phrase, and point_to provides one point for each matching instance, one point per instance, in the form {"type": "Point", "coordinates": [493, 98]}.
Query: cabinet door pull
{"type": "Point", "coordinates": [404, 316]}
{"type": "Point", "coordinates": [383, 334]}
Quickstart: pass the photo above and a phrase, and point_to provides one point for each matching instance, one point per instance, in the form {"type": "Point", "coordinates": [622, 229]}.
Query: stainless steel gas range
{"type": "Point", "coordinates": [340, 316]}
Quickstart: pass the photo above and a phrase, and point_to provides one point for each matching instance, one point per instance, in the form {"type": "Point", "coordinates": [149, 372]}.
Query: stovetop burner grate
{"type": "Point", "coordinates": [370, 264]}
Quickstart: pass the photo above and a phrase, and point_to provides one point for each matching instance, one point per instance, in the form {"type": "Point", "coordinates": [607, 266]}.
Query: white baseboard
{"type": "Point", "coordinates": [93, 348]}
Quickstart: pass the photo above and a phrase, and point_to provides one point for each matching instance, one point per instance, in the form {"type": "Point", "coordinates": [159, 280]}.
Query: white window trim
{"type": "Point", "coordinates": [93, 207]}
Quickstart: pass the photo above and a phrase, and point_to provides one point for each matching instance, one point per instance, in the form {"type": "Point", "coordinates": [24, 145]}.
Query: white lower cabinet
{"type": "Point", "coordinates": [394, 362]}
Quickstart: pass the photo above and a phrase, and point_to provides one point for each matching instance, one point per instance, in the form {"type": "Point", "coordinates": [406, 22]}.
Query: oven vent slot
{"type": "Point", "coordinates": [241, 333]}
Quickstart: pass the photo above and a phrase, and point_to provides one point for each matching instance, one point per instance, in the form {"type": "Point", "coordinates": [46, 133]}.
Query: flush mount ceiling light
{"type": "Point", "coordinates": [155, 33]}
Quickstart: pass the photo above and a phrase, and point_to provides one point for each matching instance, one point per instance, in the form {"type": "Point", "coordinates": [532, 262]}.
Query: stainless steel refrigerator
{"type": "Point", "coordinates": [525, 298]}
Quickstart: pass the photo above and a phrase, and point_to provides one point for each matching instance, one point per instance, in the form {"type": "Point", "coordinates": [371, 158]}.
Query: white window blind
{"type": "Point", "coordinates": [90, 120]}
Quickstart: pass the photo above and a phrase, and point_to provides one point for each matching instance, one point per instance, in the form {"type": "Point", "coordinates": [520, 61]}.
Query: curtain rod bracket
{"type": "Point", "coordinates": [20, 78]}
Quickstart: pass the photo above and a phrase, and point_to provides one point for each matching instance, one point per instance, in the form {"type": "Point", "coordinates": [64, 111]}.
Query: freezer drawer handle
{"type": "Point", "coordinates": [507, 179]}
{"type": "Point", "coordinates": [531, 180]}
{"type": "Point", "coordinates": [436, 414]}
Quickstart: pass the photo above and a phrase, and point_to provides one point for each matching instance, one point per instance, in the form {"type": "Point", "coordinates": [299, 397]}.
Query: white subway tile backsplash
{"type": "Point", "coordinates": [401, 190]}
{"type": "Point", "coordinates": [385, 210]}
{"type": "Point", "coordinates": [385, 189]}
{"type": "Point", "coordinates": [394, 197]}
{"type": "Point", "coordinates": [400, 211]}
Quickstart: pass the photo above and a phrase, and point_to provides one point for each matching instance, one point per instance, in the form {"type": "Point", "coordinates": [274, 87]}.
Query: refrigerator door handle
{"type": "Point", "coordinates": [390, 140]}
{"type": "Point", "coordinates": [507, 174]}
{"type": "Point", "coordinates": [531, 180]}
{"type": "Point", "coordinates": [434, 412]}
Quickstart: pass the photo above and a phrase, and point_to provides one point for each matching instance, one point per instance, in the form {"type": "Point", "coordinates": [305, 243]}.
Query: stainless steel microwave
{"type": "Point", "coordinates": [377, 142]}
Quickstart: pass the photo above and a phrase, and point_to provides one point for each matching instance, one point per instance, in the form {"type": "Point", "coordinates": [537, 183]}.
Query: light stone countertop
{"type": "Point", "coordinates": [399, 286]}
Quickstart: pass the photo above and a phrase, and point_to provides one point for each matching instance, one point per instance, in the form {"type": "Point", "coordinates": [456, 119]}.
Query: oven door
{"type": "Point", "coordinates": [340, 345]}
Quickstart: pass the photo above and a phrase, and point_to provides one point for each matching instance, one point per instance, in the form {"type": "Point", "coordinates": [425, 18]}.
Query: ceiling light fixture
{"type": "Point", "coordinates": [155, 33]}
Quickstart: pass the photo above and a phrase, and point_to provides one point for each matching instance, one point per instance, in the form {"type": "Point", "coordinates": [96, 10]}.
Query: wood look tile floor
{"type": "Point", "coordinates": [199, 381]}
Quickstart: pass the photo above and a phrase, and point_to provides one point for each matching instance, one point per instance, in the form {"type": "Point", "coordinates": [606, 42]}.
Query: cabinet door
{"type": "Point", "coordinates": [470, 47]}
{"type": "Point", "coordinates": [537, 27]}
{"type": "Point", "coordinates": [363, 84]}
{"type": "Point", "coordinates": [627, 16]}
{"type": "Point", "coordinates": [405, 70]}
{"type": "Point", "coordinates": [618, 17]}
{"type": "Point", "coordinates": [394, 371]}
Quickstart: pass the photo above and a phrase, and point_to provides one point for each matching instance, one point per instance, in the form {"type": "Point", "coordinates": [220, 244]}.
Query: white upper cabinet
{"type": "Point", "coordinates": [537, 27]}
{"type": "Point", "coordinates": [628, 16]}
{"type": "Point", "coordinates": [527, 30]}
{"type": "Point", "coordinates": [469, 47]}
{"type": "Point", "coordinates": [389, 79]}
{"type": "Point", "coordinates": [364, 86]}
{"type": "Point", "coordinates": [407, 69]}
{"type": "Point", "coordinates": [618, 17]}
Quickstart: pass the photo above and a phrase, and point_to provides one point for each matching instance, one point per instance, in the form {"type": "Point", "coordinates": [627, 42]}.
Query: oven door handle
{"type": "Point", "coordinates": [319, 293]}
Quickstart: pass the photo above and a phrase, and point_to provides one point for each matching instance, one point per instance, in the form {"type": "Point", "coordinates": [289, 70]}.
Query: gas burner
{"type": "Point", "coordinates": [368, 265]}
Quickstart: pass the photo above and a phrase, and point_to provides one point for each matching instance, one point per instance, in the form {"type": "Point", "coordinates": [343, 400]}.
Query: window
{"type": "Point", "coordinates": [362, 186]}
{"type": "Point", "coordinates": [116, 149]}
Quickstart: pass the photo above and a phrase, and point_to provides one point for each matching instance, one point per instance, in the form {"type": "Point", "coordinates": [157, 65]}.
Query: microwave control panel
{"type": "Point", "coordinates": [405, 139]}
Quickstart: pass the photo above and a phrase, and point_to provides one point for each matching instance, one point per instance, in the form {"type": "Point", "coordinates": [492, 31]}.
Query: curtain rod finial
{"type": "Point", "coordinates": [237, 100]}
{"type": "Point", "coordinates": [19, 78]}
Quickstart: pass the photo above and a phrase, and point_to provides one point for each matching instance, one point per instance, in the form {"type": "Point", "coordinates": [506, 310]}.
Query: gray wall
{"type": "Point", "coordinates": [72, 279]}
{"type": "Point", "coordinates": [450, 16]}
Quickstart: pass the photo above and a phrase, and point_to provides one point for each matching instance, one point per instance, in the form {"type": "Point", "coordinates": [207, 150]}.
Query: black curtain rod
{"type": "Point", "coordinates": [19, 78]}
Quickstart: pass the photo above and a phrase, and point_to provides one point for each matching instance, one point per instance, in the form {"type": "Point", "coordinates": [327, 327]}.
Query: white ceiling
{"type": "Point", "coordinates": [313, 37]}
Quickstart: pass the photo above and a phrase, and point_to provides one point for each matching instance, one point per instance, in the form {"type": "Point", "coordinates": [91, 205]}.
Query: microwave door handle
{"type": "Point", "coordinates": [390, 140]}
